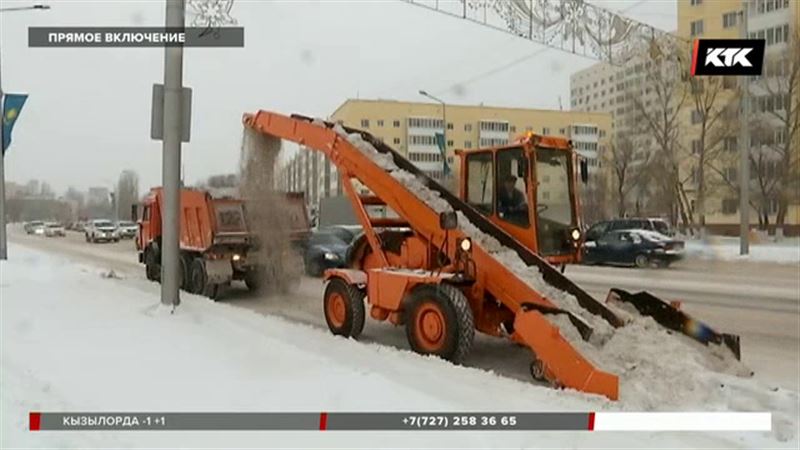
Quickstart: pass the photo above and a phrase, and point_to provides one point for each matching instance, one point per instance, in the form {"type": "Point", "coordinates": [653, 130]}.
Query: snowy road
{"type": "Point", "coordinates": [759, 301]}
{"type": "Point", "coordinates": [75, 338]}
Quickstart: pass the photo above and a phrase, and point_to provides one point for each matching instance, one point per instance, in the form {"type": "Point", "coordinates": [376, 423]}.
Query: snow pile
{"type": "Point", "coordinates": [786, 251]}
{"type": "Point", "coordinates": [125, 355]}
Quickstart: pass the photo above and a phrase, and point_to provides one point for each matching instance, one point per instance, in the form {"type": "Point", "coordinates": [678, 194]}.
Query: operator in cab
{"type": "Point", "coordinates": [511, 201]}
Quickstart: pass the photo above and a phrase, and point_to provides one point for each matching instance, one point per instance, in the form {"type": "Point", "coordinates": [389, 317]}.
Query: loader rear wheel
{"type": "Point", "coordinates": [439, 322]}
{"type": "Point", "coordinates": [344, 308]}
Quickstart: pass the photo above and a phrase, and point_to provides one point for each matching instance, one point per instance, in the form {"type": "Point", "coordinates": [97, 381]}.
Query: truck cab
{"type": "Point", "coordinates": [529, 190]}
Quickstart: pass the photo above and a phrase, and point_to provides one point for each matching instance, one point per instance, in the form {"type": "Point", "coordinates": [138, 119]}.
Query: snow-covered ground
{"type": "Point", "coordinates": [786, 251]}
{"type": "Point", "coordinates": [74, 339]}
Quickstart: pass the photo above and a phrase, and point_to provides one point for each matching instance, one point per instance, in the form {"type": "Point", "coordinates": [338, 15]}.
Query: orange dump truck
{"type": "Point", "coordinates": [216, 245]}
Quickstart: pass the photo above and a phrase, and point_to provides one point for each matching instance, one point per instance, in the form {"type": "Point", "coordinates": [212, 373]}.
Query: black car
{"type": "Point", "coordinates": [639, 248]}
{"type": "Point", "coordinates": [601, 228]}
{"type": "Point", "coordinates": [325, 250]}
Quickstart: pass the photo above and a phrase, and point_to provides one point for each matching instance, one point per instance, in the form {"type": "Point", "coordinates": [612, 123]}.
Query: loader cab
{"type": "Point", "coordinates": [528, 189]}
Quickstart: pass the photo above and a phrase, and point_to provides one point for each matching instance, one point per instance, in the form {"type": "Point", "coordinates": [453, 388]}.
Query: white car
{"type": "Point", "coordinates": [52, 229]}
{"type": "Point", "coordinates": [101, 230]}
{"type": "Point", "coordinates": [127, 229]}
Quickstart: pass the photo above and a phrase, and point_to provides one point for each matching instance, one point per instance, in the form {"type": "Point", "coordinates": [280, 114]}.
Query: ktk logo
{"type": "Point", "coordinates": [728, 57]}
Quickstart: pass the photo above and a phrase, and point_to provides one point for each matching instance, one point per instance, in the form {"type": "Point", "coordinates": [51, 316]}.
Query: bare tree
{"type": "Point", "coordinates": [127, 192]}
{"type": "Point", "coordinates": [776, 102]}
{"type": "Point", "coordinates": [713, 114]}
{"type": "Point", "coordinates": [660, 116]}
{"type": "Point", "coordinates": [623, 170]}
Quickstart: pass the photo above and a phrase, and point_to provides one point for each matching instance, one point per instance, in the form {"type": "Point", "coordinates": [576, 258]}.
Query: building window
{"type": "Point", "coordinates": [730, 206]}
{"type": "Point", "coordinates": [380, 123]}
{"type": "Point", "coordinates": [364, 123]}
{"type": "Point", "coordinates": [449, 126]}
{"type": "Point", "coordinates": [467, 127]}
{"type": "Point", "coordinates": [729, 19]}
{"type": "Point", "coordinates": [449, 143]}
{"type": "Point", "coordinates": [697, 117]}
{"type": "Point", "coordinates": [730, 174]}
{"type": "Point", "coordinates": [421, 140]}
{"type": "Point", "coordinates": [696, 28]}
{"type": "Point", "coordinates": [562, 131]}
{"type": "Point", "coordinates": [513, 129]}
{"type": "Point", "coordinates": [396, 141]}
{"type": "Point", "coordinates": [696, 147]}
{"type": "Point", "coordinates": [396, 124]}
{"type": "Point", "coordinates": [467, 144]}
{"type": "Point", "coordinates": [696, 2]}
{"type": "Point", "coordinates": [545, 131]}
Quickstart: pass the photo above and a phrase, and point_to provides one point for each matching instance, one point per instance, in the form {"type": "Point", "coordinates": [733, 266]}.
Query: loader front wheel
{"type": "Point", "coordinates": [439, 322]}
{"type": "Point", "coordinates": [344, 308]}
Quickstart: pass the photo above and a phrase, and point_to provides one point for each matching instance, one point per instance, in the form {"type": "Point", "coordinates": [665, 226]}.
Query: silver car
{"type": "Point", "coordinates": [101, 230]}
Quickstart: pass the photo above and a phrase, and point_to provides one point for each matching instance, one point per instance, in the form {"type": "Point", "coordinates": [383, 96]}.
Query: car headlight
{"type": "Point", "coordinates": [465, 244]}
{"type": "Point", "coordinates": [237, 257]}
{"type": "Point", "coordinates": [331, 256]}
{"type": "Point", "coordinates": [575, 234]}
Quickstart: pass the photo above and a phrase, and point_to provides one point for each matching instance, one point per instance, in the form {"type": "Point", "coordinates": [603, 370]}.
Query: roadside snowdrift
{"type": "Point", "coordinates": [73, 340]}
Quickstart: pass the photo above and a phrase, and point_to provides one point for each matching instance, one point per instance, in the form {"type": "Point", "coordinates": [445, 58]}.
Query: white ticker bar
{"type": "Point", "coordinates": [683, 421]}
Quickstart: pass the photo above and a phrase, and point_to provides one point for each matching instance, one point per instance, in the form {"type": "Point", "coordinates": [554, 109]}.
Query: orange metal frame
{"type": "Point", "coordinates": [386, 286]}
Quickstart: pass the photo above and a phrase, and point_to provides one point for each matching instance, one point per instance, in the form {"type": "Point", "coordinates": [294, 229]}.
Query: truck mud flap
{"type": "Point", "coordinates": [674, 319]}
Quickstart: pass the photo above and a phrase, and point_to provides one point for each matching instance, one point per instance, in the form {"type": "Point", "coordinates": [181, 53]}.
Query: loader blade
{"type": "Point", "coordinates": [670, 317]}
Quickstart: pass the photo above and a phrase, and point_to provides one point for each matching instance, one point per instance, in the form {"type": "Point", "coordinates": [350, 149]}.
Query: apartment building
{"type": "Point", "coordinates": [616, 89]}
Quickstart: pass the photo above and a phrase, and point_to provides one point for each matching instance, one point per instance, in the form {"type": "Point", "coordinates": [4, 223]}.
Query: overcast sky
{"type": "Point", "coordinates": [88, 114]}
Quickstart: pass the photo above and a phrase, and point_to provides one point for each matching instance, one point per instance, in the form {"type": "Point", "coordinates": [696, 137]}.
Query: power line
{"type": "Point", "coordinates": [517, 61]}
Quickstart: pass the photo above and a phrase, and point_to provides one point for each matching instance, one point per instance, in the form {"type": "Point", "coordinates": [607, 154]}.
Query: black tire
{"type": "Point", "coordinates": [641, 261]}
{"type": "Point", "coordinates": [198, 277]}
{"type": "Point", "coordinates": [152, 272]}
{"type": "Point", "coordinates": [213, 291]}
{"type": "Point", "coordinates": [183, 273]}
{"type": "Point", "coordinates": [254, 280]}
{"type": "Point", "coordinates": [453, 309]}
{"type": "Point", "coordinates": [349, 322]}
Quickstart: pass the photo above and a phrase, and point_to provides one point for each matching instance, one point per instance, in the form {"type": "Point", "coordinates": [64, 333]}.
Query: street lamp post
{"type": "Point", "coordinates": [444, 127]}
{"type": "Point", "coordinates": [3, 239]}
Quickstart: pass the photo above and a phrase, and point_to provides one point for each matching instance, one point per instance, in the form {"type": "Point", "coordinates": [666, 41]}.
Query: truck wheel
{"type": "Point", "coordinates": [198, 278]}
{"type": "Point", "coordinates": [152, 272]}
{"type": "Point", "coordinates": [343, 304]}
{"type": "Point", "coordinates": [439, 322]}
{"type": "Point", "coordinates": [183, 278]}
{"type": "Point", "coordinates": [254, 280]}
{"type": "Point", "coordinates": [213, 291]}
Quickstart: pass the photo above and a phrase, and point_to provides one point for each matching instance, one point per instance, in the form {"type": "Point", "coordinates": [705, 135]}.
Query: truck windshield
{"type": "Point", "coordinates": [553, 201]}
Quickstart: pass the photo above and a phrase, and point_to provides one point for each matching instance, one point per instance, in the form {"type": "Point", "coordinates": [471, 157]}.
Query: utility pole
{"type": "Point", "coordinates": [744, 152]}
{"type": "Point", "coordinates": [444, 129]}
{"type": "Point", "coordinates": [3, 238]}
{"type": "Point", "coordinates": [171, 159]}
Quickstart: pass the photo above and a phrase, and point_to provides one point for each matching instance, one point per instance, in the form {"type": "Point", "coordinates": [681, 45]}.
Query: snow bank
{"type": "Point", "coordinates": [786, 251]}
{"type": "Point", "coordinates": [67, 345]}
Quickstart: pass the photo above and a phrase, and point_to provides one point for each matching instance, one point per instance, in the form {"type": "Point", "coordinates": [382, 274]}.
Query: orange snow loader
{"type": "Point", "coordinates": [216, 245]}
{"type": "Point", "coordinates": [446, 266]}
